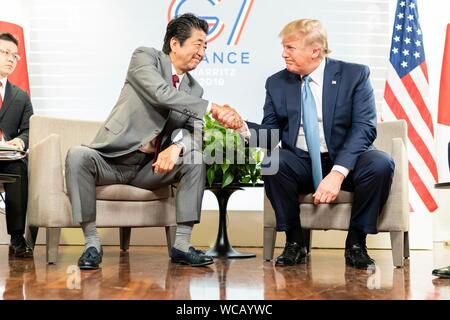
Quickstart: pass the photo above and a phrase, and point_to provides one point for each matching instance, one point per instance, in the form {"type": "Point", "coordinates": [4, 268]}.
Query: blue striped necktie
{"type": "Point", "coordinates": [311, 127]}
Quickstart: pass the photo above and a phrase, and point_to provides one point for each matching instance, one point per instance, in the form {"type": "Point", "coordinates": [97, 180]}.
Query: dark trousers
{"type": "Point", "coordinates": [370, 181]}
{"type": "Point", "coordinates": [16, 195]}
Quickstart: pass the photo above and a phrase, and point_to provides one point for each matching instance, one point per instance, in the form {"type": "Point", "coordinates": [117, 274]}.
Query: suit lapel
{"type": "Point", "coordinates": [331, 83]}
{"type": "Point", "coordinates": [166, 67]}
{"type": "Point", "coordinates": [293, 105]}
{"type": "Point", "coordinates": [173, 117]}
{"type": "Point", "coordinates": [10, 94]}
{"type": "Point", "coordinates": [185, 84]}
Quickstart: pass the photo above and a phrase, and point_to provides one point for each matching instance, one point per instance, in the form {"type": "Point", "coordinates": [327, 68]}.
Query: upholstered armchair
{"type": "Point", "coordinates": [394, 219]}
{"type": "Point", "coordinates": [118, 206]}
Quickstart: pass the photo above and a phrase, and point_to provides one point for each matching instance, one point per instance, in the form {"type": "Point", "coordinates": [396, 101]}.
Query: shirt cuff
{"type": "Point", "coordinates": [178, 137]}
{"type": "Point", "coordinates": [341, 169]}
{"type": "Point", "coordinates": [181, 145]}
{"type": "Point", "coordinates": [244, 131]}
{"type": "Point", "coordinates": [208, 108]}
{"type": "Point", "coordinates": [178, 141]}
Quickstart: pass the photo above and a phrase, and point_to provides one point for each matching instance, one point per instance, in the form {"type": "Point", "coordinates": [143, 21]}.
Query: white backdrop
{"type": "Point", "coordinates": [78, 53]}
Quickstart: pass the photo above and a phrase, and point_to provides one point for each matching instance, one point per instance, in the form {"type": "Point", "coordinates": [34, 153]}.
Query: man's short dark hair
{"type": "Point", "coordinates": [181, 28]}
{"type": "Point", "coordinates": [9, 37]}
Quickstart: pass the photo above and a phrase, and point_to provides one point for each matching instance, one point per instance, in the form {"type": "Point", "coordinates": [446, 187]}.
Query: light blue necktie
{"type": "Point", "coordinates": [311, 127]}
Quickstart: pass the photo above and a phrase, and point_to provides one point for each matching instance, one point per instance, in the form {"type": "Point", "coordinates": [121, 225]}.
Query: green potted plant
{"type": "Point", "coordinates": [227, 158]}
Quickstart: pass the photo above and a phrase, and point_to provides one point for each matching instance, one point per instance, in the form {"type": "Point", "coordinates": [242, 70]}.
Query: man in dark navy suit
{"type": "Point", "coordinates": [323, 111]}
{"type": "Point", "coordinates": [15, 113]}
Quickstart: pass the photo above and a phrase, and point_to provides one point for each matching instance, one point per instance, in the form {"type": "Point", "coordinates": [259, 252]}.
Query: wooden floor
{"type": "Point", "coordinates": [146, 273]}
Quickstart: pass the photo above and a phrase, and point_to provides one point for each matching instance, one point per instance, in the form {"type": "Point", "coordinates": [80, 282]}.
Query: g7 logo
{"type": "Point", "coordinates": [215, 24]}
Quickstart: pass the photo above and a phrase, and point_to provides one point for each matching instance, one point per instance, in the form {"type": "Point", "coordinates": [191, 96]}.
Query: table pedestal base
{"type": "Point", "coordinates": [222, 247]}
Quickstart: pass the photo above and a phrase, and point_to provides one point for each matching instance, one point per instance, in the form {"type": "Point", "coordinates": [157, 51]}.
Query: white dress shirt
{"type": "Point", "coordinates": [3, 87]}
{"type": "Point", "coordinates": [316, 85]}
{"type": "Point", "coordinates": [2, 93]}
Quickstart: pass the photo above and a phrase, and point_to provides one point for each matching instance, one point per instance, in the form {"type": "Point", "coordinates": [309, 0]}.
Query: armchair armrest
{"type": "Point", "coordinates": [397, 205]}
{"type": "Point", "coordinates": [46, 169]}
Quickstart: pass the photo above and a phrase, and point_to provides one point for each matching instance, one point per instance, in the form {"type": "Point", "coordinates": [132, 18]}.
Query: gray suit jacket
{"type": "Point", "coordinates": [148, 103]}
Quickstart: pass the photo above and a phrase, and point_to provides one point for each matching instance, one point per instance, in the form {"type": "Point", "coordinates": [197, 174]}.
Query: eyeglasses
{"type": "Point", "coordinates": [8, 53]}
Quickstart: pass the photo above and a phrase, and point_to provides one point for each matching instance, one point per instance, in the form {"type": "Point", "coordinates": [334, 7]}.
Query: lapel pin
{"type": "Point", "coordinates": [333, 81]}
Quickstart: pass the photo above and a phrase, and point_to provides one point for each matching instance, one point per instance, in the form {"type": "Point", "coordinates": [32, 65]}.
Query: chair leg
{"type": "Point", "coordinates": [397, 243]}
{"type": "Point", "coordinates": [53, 236]}
{"type": "Point", "coordinates": [406, 243]}
{"type": "Point", "coordinates": [170, 235]}
{"type": "Point", "coordinates": [31, 233]}
{"type": "Point", "coordinates": [125, 236]}
{"type": "Point", "coordinates": [270, 236]}
{"type": "Point", "coordinates": [307, 237]}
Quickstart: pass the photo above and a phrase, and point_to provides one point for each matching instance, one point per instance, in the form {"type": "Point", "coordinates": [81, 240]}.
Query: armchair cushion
{"type": "Point", "coordinates": [124, 192]}
{"type": "Point", "coordinates": [343, 197]}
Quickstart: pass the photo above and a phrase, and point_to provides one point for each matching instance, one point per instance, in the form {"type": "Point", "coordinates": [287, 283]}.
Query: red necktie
{"type": "Point", "coordinates": [175, 80]}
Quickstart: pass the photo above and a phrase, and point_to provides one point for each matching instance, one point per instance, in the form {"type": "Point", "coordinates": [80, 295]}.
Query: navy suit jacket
{"type": "Point", "coordinates": [348, 106]}
{"type": "Point", "coordinates": [15, 114]}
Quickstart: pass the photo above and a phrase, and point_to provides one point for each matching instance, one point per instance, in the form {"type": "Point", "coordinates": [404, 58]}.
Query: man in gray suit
{"type": "Point", "coordinates": [147, 132]}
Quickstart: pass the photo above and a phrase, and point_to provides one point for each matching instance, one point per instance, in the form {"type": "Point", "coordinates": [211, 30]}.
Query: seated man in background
{"type": "Point", "coordinates": [141, 142]}
{"type": "Point", "coordinates": [15, 113]}
{"type": "Point", "coordinates": [443, 272]}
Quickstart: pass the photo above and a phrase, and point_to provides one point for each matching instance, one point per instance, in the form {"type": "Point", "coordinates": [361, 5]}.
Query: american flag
{"type": "Point", "coordinates": [406, 96]}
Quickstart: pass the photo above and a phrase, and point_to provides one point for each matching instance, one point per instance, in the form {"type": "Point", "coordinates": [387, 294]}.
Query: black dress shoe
{"type": "Point", "coordinates": [90, 259]}
{"type": "Point", "coordinates": [18, 248]}
{"type": "Point", "coordinates": [356, 256]}
{"type": "Point", "coordinates": [442, 272]}
{"type": "Point", "coordinates": [194, 258]}
{"type": "Point", "coordinates": [293, 253]}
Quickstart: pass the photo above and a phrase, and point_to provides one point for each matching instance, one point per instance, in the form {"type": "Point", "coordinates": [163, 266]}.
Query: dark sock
{"type": "Point", "coordinates": [362, 238]}
{"type": "Point", "coordinates": [294, 234]}
{"type": "Point", "coordinates": [355, 236]}
{"type": "Point", "coordinates": [16, 236]}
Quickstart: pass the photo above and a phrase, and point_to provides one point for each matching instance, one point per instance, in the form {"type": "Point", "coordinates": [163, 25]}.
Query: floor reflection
{"type": "Point", "coordinates": [318, 280]}
{"type": "Point", "coordinates": [147, 273]}
{"type": "Point", "coordinates": [22, 274]}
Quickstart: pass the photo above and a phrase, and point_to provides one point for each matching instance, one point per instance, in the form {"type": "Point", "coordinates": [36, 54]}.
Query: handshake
{"type": "Point", "coordinates": [227, 116]}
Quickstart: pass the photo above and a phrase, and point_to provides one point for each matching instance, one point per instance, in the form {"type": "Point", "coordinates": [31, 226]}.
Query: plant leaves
{"type": "Point", "coordinates": [228, 178]}
{"type": "Point", "coordinates": [225, 166]}
{"type": "Point", "coordinates": [211, 175]}
{"type": "Point", "coordinates": [226, 156]}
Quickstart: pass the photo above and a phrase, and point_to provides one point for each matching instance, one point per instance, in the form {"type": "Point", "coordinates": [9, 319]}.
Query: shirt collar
{"type": "Point", "coordinates": [3, 87]}
{"type": "Point", "coordinates": [174, 71]}
{"type": "Point", "coordinates": [317, 75]}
